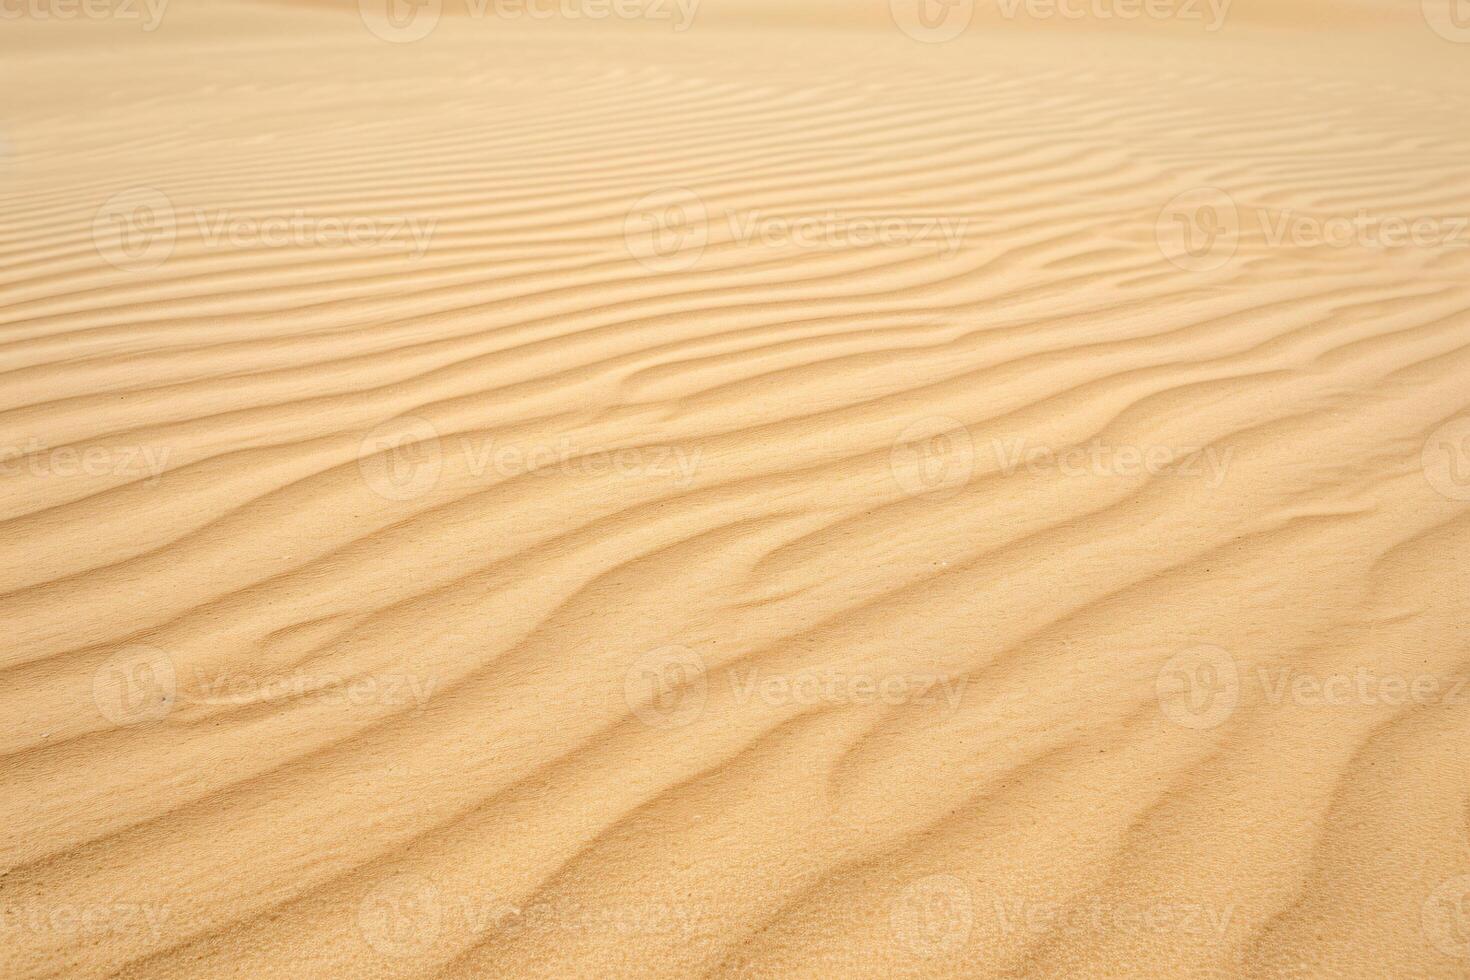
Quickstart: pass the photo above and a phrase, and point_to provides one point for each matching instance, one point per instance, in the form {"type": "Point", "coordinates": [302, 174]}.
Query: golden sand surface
{"type": "Point", "coordinates": [741, 489]}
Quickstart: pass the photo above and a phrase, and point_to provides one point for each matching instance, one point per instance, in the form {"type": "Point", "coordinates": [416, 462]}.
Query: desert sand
{"type": "Point", "coordinates": [793, 490]}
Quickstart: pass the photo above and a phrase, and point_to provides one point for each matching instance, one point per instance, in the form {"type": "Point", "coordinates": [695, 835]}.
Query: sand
{"type": "Point", "coordinates": [801, 491]}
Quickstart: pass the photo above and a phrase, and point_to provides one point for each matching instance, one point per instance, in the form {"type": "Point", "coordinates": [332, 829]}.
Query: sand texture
{"type": "Point", "coordinates": [780, 493]}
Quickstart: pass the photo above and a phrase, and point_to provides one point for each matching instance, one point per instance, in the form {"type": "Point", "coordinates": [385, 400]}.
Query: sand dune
{"type": "Point", "coordinates": [776, 494]}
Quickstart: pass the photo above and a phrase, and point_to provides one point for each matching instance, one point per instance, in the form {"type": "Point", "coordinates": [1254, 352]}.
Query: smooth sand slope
{"type": "Point", "coordinates": [782, 498]}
